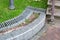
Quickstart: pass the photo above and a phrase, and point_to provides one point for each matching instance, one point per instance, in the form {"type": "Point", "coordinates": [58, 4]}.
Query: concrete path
{"type": "Point", "coordinates": [52, 33]}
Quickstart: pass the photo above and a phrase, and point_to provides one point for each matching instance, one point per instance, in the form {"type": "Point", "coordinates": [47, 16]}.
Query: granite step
{"type": "Point", "coordinates": [57, 3]}
{"type": "Point", "coordinates": [39, 34]}
{"type": "Point", "coordinates": [57, 11]}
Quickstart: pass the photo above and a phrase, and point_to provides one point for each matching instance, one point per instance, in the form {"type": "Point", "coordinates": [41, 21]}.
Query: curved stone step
{"type": "Point", "coordinates": [40, 33]}
{"type": "Point", "coordinates": [28, 31]}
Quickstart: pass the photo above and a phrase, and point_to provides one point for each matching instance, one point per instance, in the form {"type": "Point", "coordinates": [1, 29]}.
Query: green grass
{"type": "Point", "coordinates": [6, 14]}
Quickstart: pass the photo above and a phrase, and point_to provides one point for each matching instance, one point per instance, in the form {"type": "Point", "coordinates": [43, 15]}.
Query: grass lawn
{"type": "Point", "coordinates": [6, 14]}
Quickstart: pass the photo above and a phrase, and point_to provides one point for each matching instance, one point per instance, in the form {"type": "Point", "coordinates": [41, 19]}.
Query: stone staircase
{"type": "Point", "coordinates": [48, 12]}
{"type": "Point", "coordinates": [57, 8]}
{"type": "Point", "coordinates": [57, 2]}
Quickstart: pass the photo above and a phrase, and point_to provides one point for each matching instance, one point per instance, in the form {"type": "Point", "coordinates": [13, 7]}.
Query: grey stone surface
{"type": "Point", "coordinates": [15, 21]}
{"type": "Point", "coordinates": [40, 33]}
{"type": "Point", "coordinates": [28, 31]}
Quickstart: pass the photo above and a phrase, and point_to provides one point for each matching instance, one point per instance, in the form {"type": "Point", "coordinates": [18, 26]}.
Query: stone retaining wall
{"type": "Point", "coordinates": [19, 19]}
{"type": "Point", "coordinates": [28, 31]}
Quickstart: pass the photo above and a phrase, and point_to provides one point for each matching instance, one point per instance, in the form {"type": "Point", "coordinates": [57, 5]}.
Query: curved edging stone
{"type": "Point", "coordinates": [16, 21]}
{"type": "Point", "coordinates": [28, 31]}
